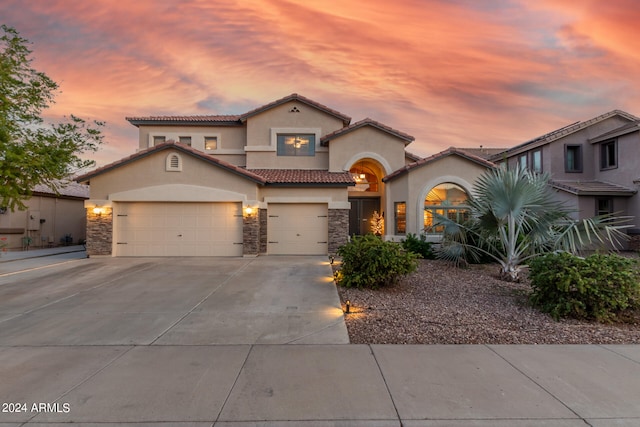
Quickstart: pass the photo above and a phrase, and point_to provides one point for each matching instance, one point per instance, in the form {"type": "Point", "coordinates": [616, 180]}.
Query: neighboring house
{"type": "Point", "coordinates": [593, 164]}
{"type": "Point", "coordinates": [291, 177]}
{"type": "Point", "coordinates": [51, 218]}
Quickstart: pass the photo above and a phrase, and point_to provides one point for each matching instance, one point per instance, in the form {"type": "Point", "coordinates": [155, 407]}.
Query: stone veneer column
{"type": "Point", "coordinates": [99, 232]}
{"type": "Point", "coordinates": [263, 231]}
{"type": "Point", "coordinates": [250, 235]}
{"type": "Point", "coordinates": [338, 229]}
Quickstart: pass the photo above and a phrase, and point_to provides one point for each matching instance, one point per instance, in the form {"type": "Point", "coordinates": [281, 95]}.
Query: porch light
{"type": "Point", "coordinates": [347, 306]}
{"type": "Point", "coordinates": [248, 211]}
{"type": "Point", "coordinates": [98, 210]}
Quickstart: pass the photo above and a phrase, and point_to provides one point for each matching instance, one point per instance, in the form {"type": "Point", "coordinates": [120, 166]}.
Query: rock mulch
{"type": "Point", "coordinates": [442, 304]}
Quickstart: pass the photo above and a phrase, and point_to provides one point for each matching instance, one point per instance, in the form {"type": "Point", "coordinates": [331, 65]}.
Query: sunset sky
{"type": "Point", "coordinates": [459, 73]}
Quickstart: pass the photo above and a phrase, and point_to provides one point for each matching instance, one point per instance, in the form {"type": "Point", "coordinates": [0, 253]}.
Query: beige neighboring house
{"type": "Point", "coordinates": [51, 219]}
{"type": "Point", "coordinates": [594, 165]}
{"type": "Point", "coordinates": [291, 177]}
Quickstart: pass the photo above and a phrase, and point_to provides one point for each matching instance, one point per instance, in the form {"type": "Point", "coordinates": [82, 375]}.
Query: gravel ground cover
{"type": "Point", "coordinates": [442, 304]}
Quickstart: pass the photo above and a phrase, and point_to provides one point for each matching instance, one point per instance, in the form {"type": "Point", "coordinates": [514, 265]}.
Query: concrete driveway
{"type": "Point", "coordinates": [183, 301]}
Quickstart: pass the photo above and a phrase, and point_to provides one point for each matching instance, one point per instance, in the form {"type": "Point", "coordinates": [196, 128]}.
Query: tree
{"type": "Point", "coordinates": [31, 152]}
{"type": "Point", "coordinates": [514, 217]}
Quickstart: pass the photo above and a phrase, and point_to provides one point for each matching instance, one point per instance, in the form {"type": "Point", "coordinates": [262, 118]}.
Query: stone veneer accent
{"type": "Point", "coordinates": [99, 232]}
{"type": "Point", "coordinates": [338, 229]}
{"type": "Point", "coordinates": [263, 231]}
{"type": "Point", "coordinates": [250, 235]}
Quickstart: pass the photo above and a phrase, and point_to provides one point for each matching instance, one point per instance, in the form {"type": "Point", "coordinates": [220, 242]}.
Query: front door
{"type": "Point", "coordinates": [361, 212]}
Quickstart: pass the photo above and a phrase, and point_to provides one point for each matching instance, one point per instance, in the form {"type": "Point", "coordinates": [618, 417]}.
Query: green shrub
{"type": "Point", "coordinates": [598, 287]}
{"type": "Point", "coordinates": [419, 245]}
{"type": "Point", "coordinates": [370, 262]}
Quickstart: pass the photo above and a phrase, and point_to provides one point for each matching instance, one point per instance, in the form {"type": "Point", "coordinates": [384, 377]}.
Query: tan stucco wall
{"type": "Point", "coordinates": [62, 217]}
{"type": "Point", "coordinates": [270, 160]}
{"type": "Point", "coordinates": [263, 128]}
{"type": "Point", "coordinates": [151, 171]}
{"type": "Point", "coordinates": [296, 194]}
{"type": "Point", "coordinates": [258, 126]}
{"type": "Point", "coordinates": [230, 139]}
{"type": "Point", "coordinates": [366, 142]}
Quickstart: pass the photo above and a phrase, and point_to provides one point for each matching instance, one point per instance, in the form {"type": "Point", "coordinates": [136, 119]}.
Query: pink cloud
{"type": "Point", "coordinates": [448, 72]}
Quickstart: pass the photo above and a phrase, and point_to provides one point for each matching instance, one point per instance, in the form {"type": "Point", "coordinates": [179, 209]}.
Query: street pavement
{"type": "Point", "coordinates": [261, 342]}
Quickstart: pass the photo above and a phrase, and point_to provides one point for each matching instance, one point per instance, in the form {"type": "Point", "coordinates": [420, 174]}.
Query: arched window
{"type": "Point", "coordinates": [446, 199]}
{"type": "Point", "coordinates": [173, 163]}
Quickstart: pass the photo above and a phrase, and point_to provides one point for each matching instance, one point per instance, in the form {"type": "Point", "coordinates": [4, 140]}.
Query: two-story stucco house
{"type": "Point", "coordinates": [593, 164]}
{"type": "Point", "coordinates": [291, 177]}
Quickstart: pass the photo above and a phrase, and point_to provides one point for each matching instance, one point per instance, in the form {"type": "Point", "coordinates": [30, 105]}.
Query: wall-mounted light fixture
{"type": "Point", "coordinates": [98, 210]}
{"type": "Point", "coordinates": [249, 211]}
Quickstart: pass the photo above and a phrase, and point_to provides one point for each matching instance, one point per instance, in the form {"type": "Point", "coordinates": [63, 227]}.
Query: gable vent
{"type": "Point", "coordinates": [294, 110]}
{"type": "Point", "coordinates": [173, 163]}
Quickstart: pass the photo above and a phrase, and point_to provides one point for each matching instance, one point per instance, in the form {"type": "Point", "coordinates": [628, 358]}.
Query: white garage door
{"type": "Point", "coordinates": [297, 229]}
{"type": "Point", "coordinates": [178, 229]}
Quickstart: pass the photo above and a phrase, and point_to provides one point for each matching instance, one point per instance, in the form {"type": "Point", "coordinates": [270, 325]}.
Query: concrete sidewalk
{"type": "Point", "coordinates": [11, 256]}
{"type": "Point", "coordinates": [324, 385]}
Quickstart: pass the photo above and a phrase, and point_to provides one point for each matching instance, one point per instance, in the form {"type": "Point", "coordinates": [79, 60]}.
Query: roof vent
{"type": "Point", "coordinates": [173, 163]}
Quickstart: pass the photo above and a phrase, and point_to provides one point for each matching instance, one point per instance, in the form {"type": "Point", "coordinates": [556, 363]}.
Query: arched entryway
{"type": "Point", "coordinates": [366, 197]}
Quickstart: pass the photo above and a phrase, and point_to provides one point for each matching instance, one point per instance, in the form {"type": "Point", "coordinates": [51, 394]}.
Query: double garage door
{"type": "Point", "coordinates": [215, 229]}
{"type": "Point", "coordinates": [178, 229]}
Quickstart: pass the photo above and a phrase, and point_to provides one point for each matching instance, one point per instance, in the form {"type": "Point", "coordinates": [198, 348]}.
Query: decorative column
{"type": "Point", "coordinates": [338, 229]}
{"type": "Point", "coordinates": [250, 232]}
{"type": "Point", "coordinates": [263, 231]}
{"type": "Point", "coordinates": [99, 231]}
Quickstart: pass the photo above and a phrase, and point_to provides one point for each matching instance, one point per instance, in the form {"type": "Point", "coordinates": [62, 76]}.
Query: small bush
{"type": "Point", "coordinates": [370, 262]}
{"type": "Point", "coordinates": [419, 245]}
{"type": "Point", "coordinates": [598, 287]}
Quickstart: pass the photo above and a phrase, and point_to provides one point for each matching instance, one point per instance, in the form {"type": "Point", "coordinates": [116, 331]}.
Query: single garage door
{"type": "Point", "coordinates": [297, 229]}
{"type": "Point", "coordinates": [178, 229]}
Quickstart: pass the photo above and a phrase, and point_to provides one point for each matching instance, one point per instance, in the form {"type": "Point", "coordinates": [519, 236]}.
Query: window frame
{"type": "Point", "coordinates": [578, 168]}
{"type": "Point", "coordinates": [281, 150]}
{"type": "Point", "coordinates": [185, 137]}
{"type": "Point", "coordinates": [215, 138]}
{"type": "Point", "coordinates": [539, 168]}
{"type": "Point", "coordinates": [400, 218]}
{"type": "Point", "coordinates": [523, 157]}
{"type": "Point", "coordinates": [599, 211]}
{"type": "Point", "coordinates": [609, 160]}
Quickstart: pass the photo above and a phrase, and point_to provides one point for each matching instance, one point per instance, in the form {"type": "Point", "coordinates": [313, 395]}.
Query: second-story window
{"type": "Point", "coordinates": [296, 144]}
{"type": "Point", "coordinates": [573, 158]}
{"type": "Point", "coordinates": [159, 139]}
{"type": "Point", "coordinates": [536, 160]}
{"type": "Point", "coordinates": [608, 155]}
{"type": "Point", "coordinates": [186, 140]}
{"type": "Point", "coordinates": [522, 161]}
{"type": "Point", "coordinates": [210, 142]}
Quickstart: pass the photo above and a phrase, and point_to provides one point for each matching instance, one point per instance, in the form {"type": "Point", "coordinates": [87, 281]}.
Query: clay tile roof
{"type": "Point", "coordinates": [180, 147]}
{"type": "Point", "coordinates": [64, 188]}
{"type": "Point", "coordinates": [181, 120]}
{"type": "Point", "coordinates": [448, 152]}
{"type": "Point", "coordinates": [593, 188]}
{"type": "Point", "coordinates": [304, 176]}
{"type": "Point", "coordinates": [367, 122]}
{"type": "Point", "coordinates": [295, 97]}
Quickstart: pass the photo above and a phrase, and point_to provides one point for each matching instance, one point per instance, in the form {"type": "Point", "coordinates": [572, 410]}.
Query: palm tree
{"type": "Point", "coordinates": [514, 217]}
